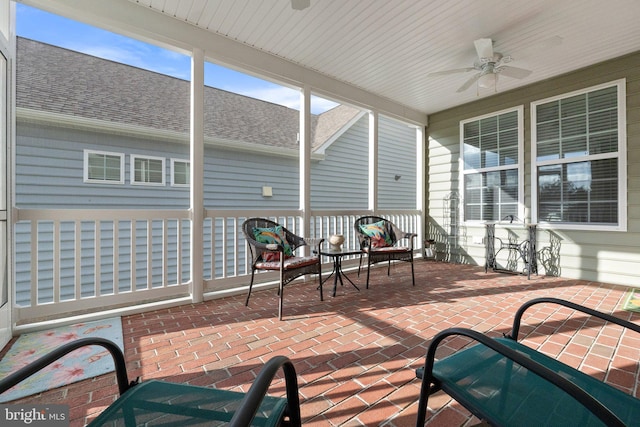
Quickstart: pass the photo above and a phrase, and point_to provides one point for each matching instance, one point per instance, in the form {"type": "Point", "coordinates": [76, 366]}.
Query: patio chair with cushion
{"type": "Point", "coordinates": [379, 238]}
{"type": "Point", "coordinates": [163, 403]}
{"type": "Point", "coordinates": [272, 248]}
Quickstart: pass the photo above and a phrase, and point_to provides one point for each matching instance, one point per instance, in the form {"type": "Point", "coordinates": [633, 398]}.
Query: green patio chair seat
{"type": "Point", "coordinates": [162, 403]}
{"type": "Point", "coordinates": [506, 383]}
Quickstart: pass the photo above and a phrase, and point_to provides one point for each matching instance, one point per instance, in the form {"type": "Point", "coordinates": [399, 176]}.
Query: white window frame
{"type": "Point", "coordinates": [520, 164]}
{"type": "Point", "coordinates": [173, 174]}
{"type": "Point", "coordinates": [88, 180]}
{"type": "Point", "coordinates": [134, 157]}
{"type": "Point", "coordinates": [621, 155]}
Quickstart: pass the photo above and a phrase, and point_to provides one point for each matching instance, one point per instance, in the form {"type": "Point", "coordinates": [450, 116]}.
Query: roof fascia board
{"type": "Point", "coordinates": [130, 19]}
{"type": "Point", "coordinates": [339, 133]}
{"type": "Point", "coordinates": [27, 115]}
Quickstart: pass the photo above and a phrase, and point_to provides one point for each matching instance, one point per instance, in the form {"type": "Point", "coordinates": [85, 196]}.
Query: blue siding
{"type": "Point", "coordinates": [397, 156]}
{"type": "Point", "coordinates": [340, 180]}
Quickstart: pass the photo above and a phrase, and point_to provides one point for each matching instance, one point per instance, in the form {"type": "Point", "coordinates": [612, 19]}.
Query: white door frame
{"type": "Point", "coordinates": [7, 135]}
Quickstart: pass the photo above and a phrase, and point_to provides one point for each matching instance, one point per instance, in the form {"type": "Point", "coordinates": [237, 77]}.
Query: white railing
{"type": "Point", "coordinates": [82, 261]}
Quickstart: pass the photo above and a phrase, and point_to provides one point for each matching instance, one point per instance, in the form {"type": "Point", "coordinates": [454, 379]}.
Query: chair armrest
{"type": "Point", "coordinates": [251, 402]}
{"type": "Point", "coordinates": [39, 364]}
{"type": "Point", "coordinates": [271, 247]}
{"type": "Point", "coordinates": [314, 243]}
{"type": "Point", "coordinates": [409, 236]}
{"type": "Point", "coordinates": [604, 316]}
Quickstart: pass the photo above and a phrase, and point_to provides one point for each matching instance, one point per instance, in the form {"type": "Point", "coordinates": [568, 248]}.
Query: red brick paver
{"type": "Point", "coordinates": [355, 354]}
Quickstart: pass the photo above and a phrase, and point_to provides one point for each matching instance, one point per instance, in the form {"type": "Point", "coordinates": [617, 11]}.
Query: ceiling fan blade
{"type": "Point", "coordinates": [468, 83]}
{"type": "Point", "coordinates": [447, 72]}
{"type": "Point", "coordinates": [514, 72]}
{"type": "Point", "coordinates": [484, 48]}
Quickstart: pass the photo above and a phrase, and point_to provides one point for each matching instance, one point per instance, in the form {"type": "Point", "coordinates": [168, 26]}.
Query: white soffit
{"type": "Point", "coordinates": [387, 48]}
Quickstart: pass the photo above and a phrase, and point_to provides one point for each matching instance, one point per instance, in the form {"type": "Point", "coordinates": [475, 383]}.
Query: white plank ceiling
{"type": "Point", "coordinates": [388, 47]}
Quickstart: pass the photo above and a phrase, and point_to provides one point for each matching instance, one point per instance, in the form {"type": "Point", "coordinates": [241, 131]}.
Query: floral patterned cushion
{"type": "Point", "coordinates": [388, 249]}
{"type": "Point", "coordinates": [378, 234]}
{"type": "Point", "coordinates": [292, 262]}
{"type": "Point", "coordinates": [272, 236]}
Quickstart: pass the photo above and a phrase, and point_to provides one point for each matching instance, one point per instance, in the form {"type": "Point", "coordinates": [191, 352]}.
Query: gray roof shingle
{"type": "Point", "coordinates": [58, 80]}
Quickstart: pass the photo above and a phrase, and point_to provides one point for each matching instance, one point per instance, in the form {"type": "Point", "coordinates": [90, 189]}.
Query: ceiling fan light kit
{"type": "Point", "coordinates": [487, 81]}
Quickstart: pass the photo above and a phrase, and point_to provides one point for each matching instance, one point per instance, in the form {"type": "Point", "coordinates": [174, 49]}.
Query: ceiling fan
{"type": "Point", "coordinates": [488, 66]}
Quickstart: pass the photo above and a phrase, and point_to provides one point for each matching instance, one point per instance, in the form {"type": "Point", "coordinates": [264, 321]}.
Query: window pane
{"type": "Point", "coordinates": [103, 167]}
{"type": "Point", "coordinates": [582, 192]}
{"type": "Point", "coordinates": [574, 106]}
{"type": "Point", "coordinates": [181, 173]}
{"type": "Point", "coordinates": [471, 153]}
{"type": "Point", "coordinates": [576, 146]}
{"type": "Point", "coordinates": [490, 147]}
{"type": "Point", "coordinates": [491, 196]}
{"type": "Point", "coordinates": [548, 131]}
{"type": "Point", "coordinates": [585, 191]}
{"type": "Point", "coordinates": [603, 121]}
{"type": "Point", "coordinates": [149, 171]}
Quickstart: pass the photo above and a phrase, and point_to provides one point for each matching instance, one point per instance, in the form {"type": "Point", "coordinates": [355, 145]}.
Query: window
{"type": "Point", "coordinates": [492, 157]}
{"type": "Point", "coordinates": [103, 167]}
{"type": "Point", "coordinates": [147, 170]}
{"type": "Point", "coordinates": [578, 143]}
{"type": "Point", "coordinates": [180, 172]}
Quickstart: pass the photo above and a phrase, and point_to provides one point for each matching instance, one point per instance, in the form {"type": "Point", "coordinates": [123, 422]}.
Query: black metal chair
{"type": "Point", "coordinates": [272, 248]}
{"type": "Point", "coordinates": [162, 403]}
{"type": "Point", "coordinates": [378, 238]}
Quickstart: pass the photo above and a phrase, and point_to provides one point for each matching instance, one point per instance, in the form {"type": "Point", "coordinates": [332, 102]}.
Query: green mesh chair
{"type": "Point", "coordinates": [162, 403]}
{"type": "Point", "coordinates": [506, 383]}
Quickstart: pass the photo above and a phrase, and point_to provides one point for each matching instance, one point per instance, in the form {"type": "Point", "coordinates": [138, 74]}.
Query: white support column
{"type": "Point", "coordinates": [421, 159]}
{"type": "Point", "coordinates": [197, 174]}
{"type": "Point", "coordinates": [373, 161]}
{"type": "Point", "coordinates": [305, 159]}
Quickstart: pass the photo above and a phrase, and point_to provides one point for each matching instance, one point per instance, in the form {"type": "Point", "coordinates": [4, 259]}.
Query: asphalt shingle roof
{"type": "Point", "coordinates": [58, 80]}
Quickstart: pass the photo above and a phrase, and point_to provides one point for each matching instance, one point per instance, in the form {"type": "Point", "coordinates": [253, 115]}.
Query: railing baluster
{"type": "Point", "coordinates": [149, 254]}
{"type": "Point", "coordinates": [116, 256]}
{"type": "Point", "coordinates": [97, 243]}
{"type": "Point", "coordinates": [77, 240]}
{"type": "Point", "coordinates": [55, 257]}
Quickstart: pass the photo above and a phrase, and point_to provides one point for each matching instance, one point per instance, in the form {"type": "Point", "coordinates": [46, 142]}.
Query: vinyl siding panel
{"type": "Point", "coordinates": [607, 256]}
{"type": "Point", "coordinates": [339, 181]}
{"type": "Point", "coordinates": [396, 156]}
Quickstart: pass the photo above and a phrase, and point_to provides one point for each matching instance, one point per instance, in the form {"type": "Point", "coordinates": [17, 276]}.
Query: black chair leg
{"type": "Point", "coordinates": [250, 287]}
{"type": "Point", "coordinates": [413, 276]}
{"type": "Point", "coordinates": [368, 270]}
{"type": "Point", "coordinates": [280, 300]}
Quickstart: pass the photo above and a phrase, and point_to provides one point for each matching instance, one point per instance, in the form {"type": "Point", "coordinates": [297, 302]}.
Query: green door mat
{"type": "Point", "coordinates": [632, 300]}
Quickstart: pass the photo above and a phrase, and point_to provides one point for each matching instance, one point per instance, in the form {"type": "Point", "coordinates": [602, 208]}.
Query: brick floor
{"type": "Point", "coordinates": [355, 354]}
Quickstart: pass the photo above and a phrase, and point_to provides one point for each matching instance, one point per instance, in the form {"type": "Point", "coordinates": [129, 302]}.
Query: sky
{"type": "Point", "coordinates": [38, 25]}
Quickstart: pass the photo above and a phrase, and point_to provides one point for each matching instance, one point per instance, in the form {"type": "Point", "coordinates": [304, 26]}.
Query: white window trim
{"type": "Point", "coordinates": [173, 182]}
{"type": "Point", "coordinates": [521, 178]}
{"type": "Point", "coordinates": [86, 178]}
{"type": "Point", "coordinates": [132, 177]}
{"type": "Point", "coordinates": [621, 156]}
